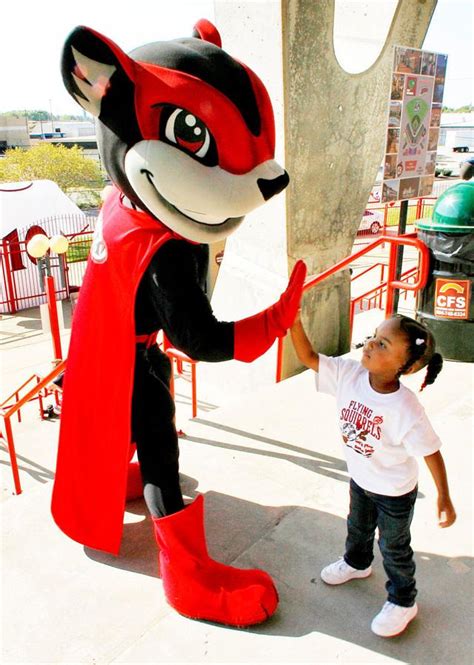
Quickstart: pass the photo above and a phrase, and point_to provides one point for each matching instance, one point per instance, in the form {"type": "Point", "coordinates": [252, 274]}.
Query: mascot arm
{"type": "Point", "coordinates": [186, 316]}
{"type": "Point", "coordinates": [181, 307]}
{"type": "Point", "coordinates": [255, 335]}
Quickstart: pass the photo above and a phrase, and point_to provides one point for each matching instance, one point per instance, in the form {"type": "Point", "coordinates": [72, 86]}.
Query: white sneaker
{"type": "Point", "coordinates": [340, 572]}
{"type": "Point", "coordinates": [393, 619]}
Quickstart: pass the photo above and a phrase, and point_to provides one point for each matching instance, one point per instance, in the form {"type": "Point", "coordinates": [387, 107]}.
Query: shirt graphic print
{"type": "Point", "coordinates": [381, 433]}
{"type": "Point", "coordinates": [360, 427]}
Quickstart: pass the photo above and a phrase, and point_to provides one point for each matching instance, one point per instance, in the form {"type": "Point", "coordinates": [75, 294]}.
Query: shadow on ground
{"type": "Point", "coordinates": [293, 543]}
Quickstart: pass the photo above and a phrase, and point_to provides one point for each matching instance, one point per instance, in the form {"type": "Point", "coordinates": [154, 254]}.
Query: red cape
{"type": "Point", "coordinates": [89, 489]}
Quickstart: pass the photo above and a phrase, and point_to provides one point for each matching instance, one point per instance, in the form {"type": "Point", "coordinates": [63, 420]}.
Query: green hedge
{"type": "Point", "coordinates": [78, 250]}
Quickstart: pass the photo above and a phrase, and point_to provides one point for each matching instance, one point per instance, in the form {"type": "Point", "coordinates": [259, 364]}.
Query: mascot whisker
{"type": "Point", "coordinates": [186, 134]}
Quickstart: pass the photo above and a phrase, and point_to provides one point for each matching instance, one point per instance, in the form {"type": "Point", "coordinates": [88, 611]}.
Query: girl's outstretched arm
{"type": "Point", "coordinates": [303, 348]}
{"type": "Point", "coordinates": [437, 469]}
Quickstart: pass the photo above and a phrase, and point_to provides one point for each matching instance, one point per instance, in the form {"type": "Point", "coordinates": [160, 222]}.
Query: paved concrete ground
{"type": "Point", "coordinates": [276, 486]}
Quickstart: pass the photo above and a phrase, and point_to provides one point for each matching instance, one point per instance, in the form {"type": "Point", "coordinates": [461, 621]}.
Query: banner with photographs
{"type": "Point", "coordinates": [413, 124]}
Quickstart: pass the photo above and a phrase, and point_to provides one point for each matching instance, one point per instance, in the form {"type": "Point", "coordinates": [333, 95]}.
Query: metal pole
{"type": "Point", "coordinates": [9, 279]}
{"type": "Point", "coordinates": [279, 359]}
{"type": "Point", "coordinates": [53, 317]}
{"type": "Point", "coordinates": [391, 291]}
{"type": "Point", "coordinates": [194, 389]}
{"type": "Point", "coordinates": [402, 225]}
{"type": "Point", "coordinates": [12, 453]}
{"type": "Point", "coordinates": [51, 114]}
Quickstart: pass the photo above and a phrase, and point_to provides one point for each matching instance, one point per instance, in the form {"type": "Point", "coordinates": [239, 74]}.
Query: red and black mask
{"type": "Point", "coordinates": [185, 131]}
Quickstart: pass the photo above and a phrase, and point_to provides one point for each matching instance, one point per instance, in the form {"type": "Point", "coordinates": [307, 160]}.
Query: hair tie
{"type": "Point", "coordinates": [419, 340]}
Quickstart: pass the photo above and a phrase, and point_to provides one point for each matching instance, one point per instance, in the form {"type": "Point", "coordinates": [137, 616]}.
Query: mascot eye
{"type": "Point", "coordinates": [188, 132]}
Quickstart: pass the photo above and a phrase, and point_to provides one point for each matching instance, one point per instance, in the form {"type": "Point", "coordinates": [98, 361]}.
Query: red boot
{"type": "Point", "coordinates": [199, 587]}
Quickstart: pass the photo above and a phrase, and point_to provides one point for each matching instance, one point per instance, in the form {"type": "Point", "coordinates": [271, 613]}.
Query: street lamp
{"type": "Point", "coordinates": [52, 121]}
{"type": "Point", "coordinates": [38, 247]}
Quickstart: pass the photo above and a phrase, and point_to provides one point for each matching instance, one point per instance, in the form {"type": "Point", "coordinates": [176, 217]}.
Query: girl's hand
{"type": "Point", "coordinates": [446, 511]}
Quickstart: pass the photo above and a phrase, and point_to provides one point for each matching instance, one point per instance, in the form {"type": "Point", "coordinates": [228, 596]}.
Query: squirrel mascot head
{"type": "Point", "coordinates": [185, 131]}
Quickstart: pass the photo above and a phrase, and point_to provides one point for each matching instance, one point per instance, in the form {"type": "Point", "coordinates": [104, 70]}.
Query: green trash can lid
{"type": "Point", "coordinates": [453, 211]}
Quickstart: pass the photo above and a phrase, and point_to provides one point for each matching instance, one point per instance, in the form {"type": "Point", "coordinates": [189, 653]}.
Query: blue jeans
{"type": "Point", "coordinates": [392, 515]}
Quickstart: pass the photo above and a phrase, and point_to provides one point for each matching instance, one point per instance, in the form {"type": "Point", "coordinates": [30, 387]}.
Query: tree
{"type": "Point", "coordinates": [36, 114]}
{"type": "Point", "coordinates": [467, 108]}
{"type": "Point", "coordinates": [40, 114]}
{"type": "Point", "coordinates": [68, 167]}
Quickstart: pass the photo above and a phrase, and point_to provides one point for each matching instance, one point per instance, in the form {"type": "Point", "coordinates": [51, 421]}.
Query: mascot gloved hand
{"type": "Point", "coordinates": [254, 335]}
{"type": "Point", "coordinates": [186, 134]}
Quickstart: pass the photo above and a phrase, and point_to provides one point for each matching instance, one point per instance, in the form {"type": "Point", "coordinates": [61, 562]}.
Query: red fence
{"type": "Point", "coordinates": [22, 283]}
{"type": "Point", "coordinates": [388, 216]}
{"type": "Point", "coordinates": [409, 281]}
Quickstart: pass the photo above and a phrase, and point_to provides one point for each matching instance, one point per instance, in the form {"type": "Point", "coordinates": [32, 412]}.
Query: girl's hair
{"type": "Point", "coordinates": [421, 349]}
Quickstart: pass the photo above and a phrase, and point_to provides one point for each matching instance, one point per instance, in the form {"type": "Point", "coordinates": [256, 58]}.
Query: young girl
{"type": "Point", "coordinates": [383, 428]}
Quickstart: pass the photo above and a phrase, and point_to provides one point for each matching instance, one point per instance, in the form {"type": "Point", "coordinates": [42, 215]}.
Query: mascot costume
{"type": "Point", "coordinates": [186, 134]}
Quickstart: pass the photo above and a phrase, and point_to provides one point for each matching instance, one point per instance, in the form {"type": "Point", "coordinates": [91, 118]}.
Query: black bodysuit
{"type": "Point", "coordinates": [170, 297]}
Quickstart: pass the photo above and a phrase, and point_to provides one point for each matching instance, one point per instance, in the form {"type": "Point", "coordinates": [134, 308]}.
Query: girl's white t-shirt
{"type": "Point", "coordinates": [381, 433]}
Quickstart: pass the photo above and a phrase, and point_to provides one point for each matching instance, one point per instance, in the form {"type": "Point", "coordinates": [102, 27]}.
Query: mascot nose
{"type": "Point", "coordinates": [274, 186]}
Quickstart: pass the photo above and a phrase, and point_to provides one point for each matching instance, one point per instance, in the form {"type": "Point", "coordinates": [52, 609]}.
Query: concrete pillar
{"type": "Point", "coordinates": [330, 136]}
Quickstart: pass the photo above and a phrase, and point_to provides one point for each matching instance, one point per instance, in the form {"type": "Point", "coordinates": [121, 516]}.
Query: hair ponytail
{"type": "Point", "coordinates": [433, 368]}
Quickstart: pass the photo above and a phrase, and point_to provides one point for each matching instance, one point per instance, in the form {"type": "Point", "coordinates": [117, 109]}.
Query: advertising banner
{"type": "Point", "coordinates": [416, 97]}
{"type": "Point", "coordinates": [452, 298]}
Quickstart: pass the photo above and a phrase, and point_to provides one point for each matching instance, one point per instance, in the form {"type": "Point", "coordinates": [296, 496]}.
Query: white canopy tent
{"type": "Point", "coordinates": [26, 208]}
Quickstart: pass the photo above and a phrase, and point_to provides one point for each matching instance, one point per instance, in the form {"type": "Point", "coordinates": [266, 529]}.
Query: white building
{"type": "Point", "coordinates": [48, 129]}
{"type": "Point", "coordinates": [13, 133]}
{"type": "Point", "coordinates": [457, 131]}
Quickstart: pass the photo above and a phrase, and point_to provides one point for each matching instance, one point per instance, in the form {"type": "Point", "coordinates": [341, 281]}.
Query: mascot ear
{"type": "Point", "coordinates": [88, 63]}
{"type": "Point", "coordinates": [208, 32]}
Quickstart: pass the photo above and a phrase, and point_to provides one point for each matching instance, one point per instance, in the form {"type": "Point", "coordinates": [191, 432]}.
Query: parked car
{"type": "Point", "coordinates": [376, 192]}
{"type": "Point", "coordinates": [372, 221]}
{"type": "Point", "coordinates": [444, 166]}
{"type": "Point", "coordinates": [448, 165]}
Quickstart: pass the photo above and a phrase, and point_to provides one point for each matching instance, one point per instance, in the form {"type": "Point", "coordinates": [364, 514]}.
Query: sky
{"type": "Point", "coordinates": [33, 35]}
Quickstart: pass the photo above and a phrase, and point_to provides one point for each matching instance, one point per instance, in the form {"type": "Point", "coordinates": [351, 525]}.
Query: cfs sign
{"type": "Point", "coordinates": [452, 298]}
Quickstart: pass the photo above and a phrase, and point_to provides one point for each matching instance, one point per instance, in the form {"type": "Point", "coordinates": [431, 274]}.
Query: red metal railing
{"type": "Point", "coordinates": [24, 288]}
{"type": "Point", "coordinates": [374, 297]}
{"type": "Point", "coordinates": [53, 317]}
{"type": "Point", "coordinates": [417, 208]}
{"type": "Point", "coordinates": [40, 390]}
{"type": "Point", "coordinates": [408, 240]}
{"type": "Point", "coordinates": [21, 284]}
{"type": "Point", "coordinates": [420, 274]}
{"type": "Point", "coordinates": [380, 265]}
{"type": "Point", "coordinates": [179, 357]}
{"type": "Point", "coordinates": [15, 396]}
{"type": "Point", "coordinates": [7, 411]}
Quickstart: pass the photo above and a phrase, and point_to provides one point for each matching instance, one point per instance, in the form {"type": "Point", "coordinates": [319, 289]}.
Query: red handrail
{"type": "Point", "coordinates": [364, 272]}
{"type": "Point", "coordinates": [7, 414]}
{"type": "Point", "coordinates": [377, 292]}
{"type": "Point", "coordinates": [409, 240]}
{"type": "Point", "coordinates": [180, 357]}
{"type": "Point", "coordinates": [4, 406]}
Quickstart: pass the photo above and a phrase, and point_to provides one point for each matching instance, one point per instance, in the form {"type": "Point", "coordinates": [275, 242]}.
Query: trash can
{"type": "Point", "coordinates": [446, 304]}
